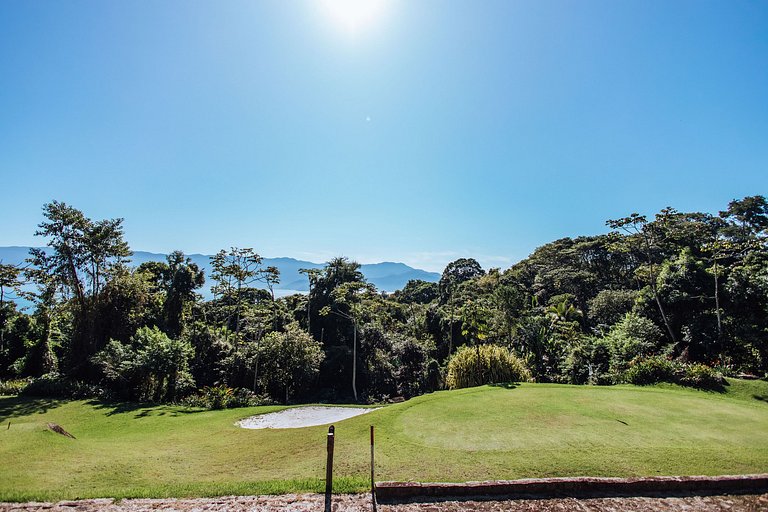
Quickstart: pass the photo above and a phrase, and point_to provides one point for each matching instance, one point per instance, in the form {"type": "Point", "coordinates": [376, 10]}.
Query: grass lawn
{"type": "Point", "coordinates": [530, 430]}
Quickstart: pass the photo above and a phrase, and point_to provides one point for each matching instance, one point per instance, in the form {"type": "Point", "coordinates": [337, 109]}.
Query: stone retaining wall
{"type": "Point", "coordinates": [580, 487]}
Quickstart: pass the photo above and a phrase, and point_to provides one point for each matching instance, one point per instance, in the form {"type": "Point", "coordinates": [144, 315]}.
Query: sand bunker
{"type": "Point", "coordinates": [298, 417]}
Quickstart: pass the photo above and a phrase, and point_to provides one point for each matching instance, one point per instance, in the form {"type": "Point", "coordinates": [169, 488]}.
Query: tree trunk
{"type": "Point", "coordinates": [717, 306]}
{"type": "Point", "coordinates": [649, 257]}
{"type": "Point", "coordinates": [450, 335]}
{"type": "Point", "coordinates": [2, 325]}
{"type": "Point", "coordinates": [237, 310]}
{"type": "Point", "coordinates": [354, 361]}
{"type": "Point", "coordinates": [661, 310]}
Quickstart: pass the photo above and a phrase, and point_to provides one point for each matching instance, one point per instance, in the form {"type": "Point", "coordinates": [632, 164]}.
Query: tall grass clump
{"type": "Point", "coordinates": [484, 364]}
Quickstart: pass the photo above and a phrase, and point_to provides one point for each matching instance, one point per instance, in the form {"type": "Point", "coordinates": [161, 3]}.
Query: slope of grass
{"type": "Point", "coordinates": [531, 430]}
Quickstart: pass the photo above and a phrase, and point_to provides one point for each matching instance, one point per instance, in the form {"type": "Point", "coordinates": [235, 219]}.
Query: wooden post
{"type": "Point", "coordinates": [329, 470]}
{"type": "Point", "coordinates": [373, 483]}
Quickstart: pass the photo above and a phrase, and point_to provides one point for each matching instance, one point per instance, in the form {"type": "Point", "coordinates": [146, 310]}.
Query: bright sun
{"type": "Point", "coordinates": [353, 15]}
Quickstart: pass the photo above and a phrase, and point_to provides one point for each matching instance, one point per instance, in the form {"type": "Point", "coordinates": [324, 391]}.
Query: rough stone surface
{"type": "Point", "coordinates": [362, 502]}
{"type": "Point", "coordinates": [578, 487]}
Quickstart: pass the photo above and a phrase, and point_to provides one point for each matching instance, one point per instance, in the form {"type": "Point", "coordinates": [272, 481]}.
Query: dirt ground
{"type": "Point", "coordinates": [362, 502]}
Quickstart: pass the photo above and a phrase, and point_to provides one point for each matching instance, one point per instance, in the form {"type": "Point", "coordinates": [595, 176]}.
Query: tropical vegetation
{"type": "Point", "coordinates": [679, 297]}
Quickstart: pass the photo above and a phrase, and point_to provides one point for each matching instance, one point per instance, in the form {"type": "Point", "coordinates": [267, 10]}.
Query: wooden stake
{"type": "Point", "coordinates": [329, 470]}
{"type": "Point", "coordinates": [373, 483]}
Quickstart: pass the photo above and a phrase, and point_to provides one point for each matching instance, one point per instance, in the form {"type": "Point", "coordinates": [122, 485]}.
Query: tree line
{"type": "Point", "coordinates": [688, 288]}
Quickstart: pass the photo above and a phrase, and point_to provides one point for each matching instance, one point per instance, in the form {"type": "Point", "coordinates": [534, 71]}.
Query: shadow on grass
{"type": "Point", "coordinates": [762, 398]}
{"type": "Point", "coordinates": [141, 410]}
{"type": "Point", "coordinates": [506, 385]}
{"type": "Point", "coordinates": [714, 388]}
{"type": "Point", "coordinates": [17, 406]}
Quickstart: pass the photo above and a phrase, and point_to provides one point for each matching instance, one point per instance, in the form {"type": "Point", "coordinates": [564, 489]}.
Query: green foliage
{"type": "Point", "coordinates": [417, 291]}
{"type": "Point", "coordinates": [13, 387]}
{"type": "Point", "coordinates": [153, 367]}
{"type": "Point", "coordinates": [456, 273]}
{"type": "Point", "coordinates": [589, 362]}
{"type": "Point", "coordinates": [542, 345]}
{"type": "Point", "coordinates": [701, 376]}
{"type": "Point", "coordinates": [396, 364]}
{"type": "Point", "coordinates": [657, 369]}
{"type": "Point", "coordinates": [632, 337]}
{"type": "Point", "coordinates": [224, 397]}
{"type": "Point", "coordinates": [610, 306]}
{"type": "Point", "coordinates": [651, 371]}
{"type": "Point", "coordinates": [289, 362]}
{"type": "Point", "coordinates": [54, 385]}
{"type": "Point", "coordinates": [176, 280]}
{"type": "Point", "coordinates": [213, 349]}
{"type": "Point", "coordinates": [691, 286]}
{"type": "Point", "coordinates": [474, 322]}
{"type": "Point", "coordinates": [484, 364]}
{"type": "Point", "coordinates": [84, 256]}
{"type": "Point", "coordinates": [38, 360]}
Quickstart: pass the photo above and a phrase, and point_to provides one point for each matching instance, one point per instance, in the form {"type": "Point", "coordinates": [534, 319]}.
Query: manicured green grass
{"type": "Point", "coordinates": [531, 430]}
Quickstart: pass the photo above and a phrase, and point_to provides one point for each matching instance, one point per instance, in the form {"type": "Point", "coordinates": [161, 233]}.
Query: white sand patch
{"type": "Point", "coordinates": [298, 417]}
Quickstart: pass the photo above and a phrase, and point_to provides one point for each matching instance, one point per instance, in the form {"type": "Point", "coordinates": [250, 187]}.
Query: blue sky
{"type": "Point", "coordinates": [438, 129]}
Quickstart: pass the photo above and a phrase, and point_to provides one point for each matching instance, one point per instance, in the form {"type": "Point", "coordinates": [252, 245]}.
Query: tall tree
{"type": "Point", "coordinates": [9, 282]}
{"type": "Point", "coordinates": [646, 238]}
{"type": "Point", "coordinates": [234, 272]}
{"type": "Point", "coordinates": [313, 274]}
{"type": "Point", "coordinates": [182, 279]}
{"type": "Point", "coordinates": [85, 254]}
{"type": "Point", "coordinates": [348, 304]}
{"type": "Point", "coordinates": [454, 274]}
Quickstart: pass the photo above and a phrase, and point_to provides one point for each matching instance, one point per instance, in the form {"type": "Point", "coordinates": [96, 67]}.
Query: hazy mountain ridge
{"type": "Point", "coordinates": [386, 276]}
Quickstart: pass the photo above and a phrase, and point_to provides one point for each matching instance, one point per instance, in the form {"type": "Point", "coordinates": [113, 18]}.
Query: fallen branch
{"type": "Point", "coordinates": [59, 430]}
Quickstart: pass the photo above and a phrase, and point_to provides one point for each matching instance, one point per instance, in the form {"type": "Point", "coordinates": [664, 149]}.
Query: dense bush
{"type": "Point", "coordinates": [153, 367]}
{"type": "Point", "coordinates": [223, 397]}
{"type": "Point", "coordinates": [632, 337]}
{"type": "Point", "coordinates": [12, 387]}
{"type": "Point", "coordinates": [395, 364]}
{"type": "Point", "coordinates": [661, 369]}
{"type": "Point", "coordinates": [288, 362]}
{"type": "Point", "coordinates": [53, 385]}
{"type": "Point", "coordinates": [484, 364]}
{"type": "Point", "coordinates": [589, 362]}
{"type": "Point", "coordinates": [652, 370]}
{"type": "Point", "coordinates": [701, 376]}
{"type": "Point", "coordinates": [609, 306]}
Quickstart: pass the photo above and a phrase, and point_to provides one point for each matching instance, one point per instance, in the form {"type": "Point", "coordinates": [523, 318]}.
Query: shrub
{"type": "Point", "coordinates": [651, 370]}
{"type": "Point", "coordinates": [588, 362]}
{"type": "Point", "coordinates": [153, 367]}
{"type": "Point", "coordinates": [484, 364]}
{"type": "Point", "coordinates": [701, 376]}
{"type": "Point", "coordinates": [609, 306]}
{"type": "Point", "coordinates": [12, 387]}
{"type": "Point", "coordinates": [289, 361]}
{"type": "Point", "coordinates": [53, 385]}
{"type": "Point", "coordinates": [223, 397]}
{"type": "Point", "coordinates": [660, 369]}
{"type": "Point", "coordinates": [632, 337]}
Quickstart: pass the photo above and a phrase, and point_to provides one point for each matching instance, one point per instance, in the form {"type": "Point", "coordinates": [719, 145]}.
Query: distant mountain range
{"type": "Point", "coordinates": [386, 276]}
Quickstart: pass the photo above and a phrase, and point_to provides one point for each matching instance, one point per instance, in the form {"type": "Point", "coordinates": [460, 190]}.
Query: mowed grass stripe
{"type": "Point", "coordinates": [530, 430]}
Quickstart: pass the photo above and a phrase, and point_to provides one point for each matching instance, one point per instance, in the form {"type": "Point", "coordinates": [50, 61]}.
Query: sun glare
{"type": "Point", "coordinates": [353, 15]}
